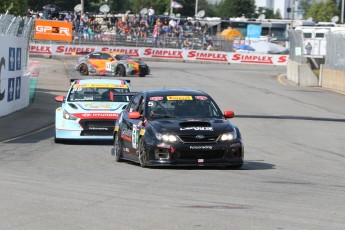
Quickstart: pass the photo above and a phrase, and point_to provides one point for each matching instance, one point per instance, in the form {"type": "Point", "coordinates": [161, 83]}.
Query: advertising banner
{"type": "Point", "coordinates": [260, 59]}
{"type": "Point", "coordinates": [53, 30]}
{"type": "Point", "coordinates": [254, 31]}
{"type": "Point", "coordinates": [14, 88]}
{"type": "Point", "coordinates": [165, 54]}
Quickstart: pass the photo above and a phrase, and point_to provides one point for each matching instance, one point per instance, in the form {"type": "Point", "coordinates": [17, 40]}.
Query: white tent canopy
{"type": "Point", "coordinates": [268, 47]}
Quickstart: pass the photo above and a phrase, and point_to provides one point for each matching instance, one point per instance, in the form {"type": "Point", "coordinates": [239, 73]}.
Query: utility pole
{"type": "Point", "coordinates": [82, 7]}
{"type": "Point", "coordinates": [293, 13]}
{"type": "Point", "coordinates": [342, 11]}
{"type": "Point", "coordinates": [196, 7]}
{"type": "Point", "coordinates": [171, 7]}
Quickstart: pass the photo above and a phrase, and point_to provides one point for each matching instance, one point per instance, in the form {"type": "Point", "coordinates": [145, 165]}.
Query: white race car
{"type": "Point", "coordinates": [90, 109]}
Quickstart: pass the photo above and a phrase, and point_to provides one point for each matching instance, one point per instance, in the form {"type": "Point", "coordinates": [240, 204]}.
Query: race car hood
{"type": "Point", "coordinates": [101, 109]}
{"type": "Point", "coordinates": [192, 127]}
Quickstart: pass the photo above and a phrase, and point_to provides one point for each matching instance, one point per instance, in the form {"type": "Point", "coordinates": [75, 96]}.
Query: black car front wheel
{"type": "Point", "coordinates": [118, 148]}
{"type": "Point", "coordinates": [83, 69]}
{"type": "Point", "coordinates": [121, 71]}
{"type": "Point", "coordinates": [142, 154]}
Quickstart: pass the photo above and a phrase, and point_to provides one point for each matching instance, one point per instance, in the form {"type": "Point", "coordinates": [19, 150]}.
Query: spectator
{"type": "Point", "coordinates": [308, 48]}
{"type": "Point", "coordinates": [97, 31]}
{"type": "Point", "coordinates": [209, 46]}
{"type": "Point", "coordinates": [177, 30]}
{"type": "Point", "coordinates": [186, 44]}
{"type": "Point", "coordinates": [151, 13]}
{"type": "Point", "coordinates": [143, 27]}
{"type": "Point", "coordinates": [197, 25]}
{"type": "Point", "coordinates": [91, 33]}
{"type": "Point", "coordinates": [86, 33]}
{"type": "Point", "coordinates": [68, 17]}
{"type": "Point", "coordinates": [155, 35]}
{"type": "Point", "coordinates": [188, 24]}
{"type": "Point", "coordinates": [172, 22]}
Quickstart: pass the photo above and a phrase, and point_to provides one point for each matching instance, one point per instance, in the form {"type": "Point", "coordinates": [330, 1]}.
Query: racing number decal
{"type": "Point", "coordinates": [108, 66]}
{"type": "Point", "coordinates": [135, 136]}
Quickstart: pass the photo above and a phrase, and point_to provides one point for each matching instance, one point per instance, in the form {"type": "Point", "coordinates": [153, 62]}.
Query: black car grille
{"type": "Point", "coordinates": [209, 154]}
{"type": "Point", "coordinates": [97, 127]}
{"type": "Point", "coordinates": [143, 69]}
{"type": "Point", "coordinates": [198, 138]}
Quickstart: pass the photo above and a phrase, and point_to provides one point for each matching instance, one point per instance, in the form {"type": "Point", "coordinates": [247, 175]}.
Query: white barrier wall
{"type": "Point", "coordinates": [167, 54]}
{"type": "Point", "coordinates": [14, 87]}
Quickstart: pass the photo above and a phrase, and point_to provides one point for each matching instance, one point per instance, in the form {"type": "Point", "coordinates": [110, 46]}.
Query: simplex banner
{"type": "Point", "coordinates": [164, 54]}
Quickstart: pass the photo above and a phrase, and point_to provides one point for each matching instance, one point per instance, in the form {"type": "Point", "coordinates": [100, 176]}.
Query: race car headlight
{"type": "Point", "coordinates": [166, 137]}
{"type": "Point", "coordinates": [130, 65]}
{"type": "Point", "coordinates": [69, 116]}
{"type": "Point", "coordinates": [228, 136]}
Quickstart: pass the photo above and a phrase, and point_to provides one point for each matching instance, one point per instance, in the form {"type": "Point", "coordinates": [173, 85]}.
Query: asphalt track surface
{"type": "Point", "coordinates": [293, 176]}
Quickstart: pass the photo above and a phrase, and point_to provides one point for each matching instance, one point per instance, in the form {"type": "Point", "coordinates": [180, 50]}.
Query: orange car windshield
{"type": "Point", "coordinates": [122, 57]}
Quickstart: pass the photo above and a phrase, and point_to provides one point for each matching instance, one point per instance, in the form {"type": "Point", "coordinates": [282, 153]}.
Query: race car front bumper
{"type": "Point", "coordinates": [181, 154]}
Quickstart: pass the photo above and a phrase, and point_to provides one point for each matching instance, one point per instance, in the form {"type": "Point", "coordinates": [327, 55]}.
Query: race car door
{"type": "Point", "coordinates": [130, 127]}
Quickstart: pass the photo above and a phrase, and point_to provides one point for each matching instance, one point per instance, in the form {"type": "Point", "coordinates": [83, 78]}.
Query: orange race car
{"type": "Point", "coordinates": [115, 64]}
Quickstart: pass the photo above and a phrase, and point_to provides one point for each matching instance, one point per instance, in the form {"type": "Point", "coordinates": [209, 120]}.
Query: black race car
{"type": "Point", "coordinates": [177, 127]}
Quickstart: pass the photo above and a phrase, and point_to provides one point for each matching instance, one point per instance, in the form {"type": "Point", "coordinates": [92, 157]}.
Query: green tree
{"type": "Point", "coordinates": [236, 8]}
{"type": "Point", "coordinates": [14, 7]}
{"type": "Point", "coordinates": [304, 5]}
{"type": "Point", "coordinates": [278, 15]}
{"type": "Point", "coordinates": [322, 12]}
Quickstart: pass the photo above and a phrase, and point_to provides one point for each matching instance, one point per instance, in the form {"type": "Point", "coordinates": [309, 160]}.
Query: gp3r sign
{"type": "Point", "coordinates": [53, 30]}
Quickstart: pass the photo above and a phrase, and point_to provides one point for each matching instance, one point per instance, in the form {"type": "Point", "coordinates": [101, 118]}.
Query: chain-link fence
{"type": "Point", "coordinates": [335, 53]}
{"type": "Point", "coordinates": [19, 27]}
{"type": "Point", "coordinates": [296, 45]}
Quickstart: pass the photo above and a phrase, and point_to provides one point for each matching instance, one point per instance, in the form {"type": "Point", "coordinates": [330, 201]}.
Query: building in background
{"type": "Point", "coordinates": [282, 5]}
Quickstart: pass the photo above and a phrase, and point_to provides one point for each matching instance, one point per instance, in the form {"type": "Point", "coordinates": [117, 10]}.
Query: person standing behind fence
{"type": "Point", "coordinates": [143, 27]}
{"type": "Point", "coordinates": [308, 48]}
{"type": "Point", "coordinates": [155, 35]}
{"type": "Point", "coordinates": [86, 33]}
{"type": "Point", "coordinates": [151, 13]}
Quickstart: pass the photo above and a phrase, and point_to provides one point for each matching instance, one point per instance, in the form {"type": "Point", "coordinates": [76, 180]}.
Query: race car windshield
{"type": "Point", "coordinates": [98, 94]}
{"type": "Point", "coordinates": [122, 57]}
{"type": "Point", "coordinates": [181, 107]}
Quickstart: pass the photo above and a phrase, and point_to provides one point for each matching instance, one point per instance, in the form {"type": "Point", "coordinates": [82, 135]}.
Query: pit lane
{"type": "Point", "coordinates": [293, 177]}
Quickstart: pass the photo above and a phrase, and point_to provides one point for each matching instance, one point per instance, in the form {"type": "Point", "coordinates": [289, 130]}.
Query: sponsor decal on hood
{"type": "Point", "coordinates": [92, 106]}
{"type": "Point", "coordinates": [102, 116]}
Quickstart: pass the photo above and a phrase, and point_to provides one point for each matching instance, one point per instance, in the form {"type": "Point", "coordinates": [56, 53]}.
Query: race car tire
{"type": "Point", "coordinates": [121, 71]}
{"type": "Point", "coordinates": [142, 154]}
{"type": "Point", "coordinates": [83, 69]}
{"type": "Point", "coordinates": [235, 166]}
{"type": "Point", "coordinates": [57, 140]}
{"type": "Point", "coordinates": [118, 148]}
{"type": "Point", "coordinates": [142, 75]}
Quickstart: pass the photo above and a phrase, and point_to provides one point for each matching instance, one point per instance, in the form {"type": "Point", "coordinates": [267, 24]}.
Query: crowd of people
{"type": "Point", "coordinates": [159, 30]}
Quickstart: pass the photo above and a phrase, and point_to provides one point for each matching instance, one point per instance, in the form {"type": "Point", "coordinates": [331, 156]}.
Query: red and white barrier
{"type": "Point", "coordinates": [167, 54]}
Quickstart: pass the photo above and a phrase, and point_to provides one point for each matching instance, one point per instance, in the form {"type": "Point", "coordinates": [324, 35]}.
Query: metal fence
{"type": "Point", "coordinates": [335, 53]}
{"type": "Point", "coordinates": [296, 46]}
{"type": "Point", "coordinates": [195, 41]}
{"type": "Point", "coordinates": [19, 27]}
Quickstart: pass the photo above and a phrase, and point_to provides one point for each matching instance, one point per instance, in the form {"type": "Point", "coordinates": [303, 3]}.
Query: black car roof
{"type": "Point", "coordinates": [163, 92]}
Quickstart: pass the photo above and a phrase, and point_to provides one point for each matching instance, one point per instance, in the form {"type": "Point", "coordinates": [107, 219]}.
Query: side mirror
{"type": "Point", "coordinates": [134, 115]}
{"type": "Point", "coordinates": [229, 114]}
{"type": "Point", "coordinates": [60, 99]}
{"type": "Point", "coordinates": [110, 59]}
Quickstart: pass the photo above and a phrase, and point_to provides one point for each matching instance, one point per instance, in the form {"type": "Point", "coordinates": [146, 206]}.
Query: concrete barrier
{"type": "Point", "coordinates": [301, 74]}
{"type": "Point", "coordinates": [333, 79]}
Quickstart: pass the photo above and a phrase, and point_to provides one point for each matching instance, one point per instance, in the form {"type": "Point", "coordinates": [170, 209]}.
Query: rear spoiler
{"type": "Point", "coordinates": [74, 79]}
